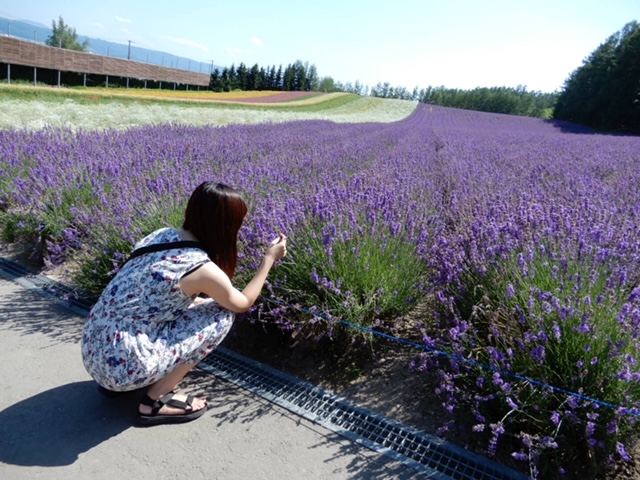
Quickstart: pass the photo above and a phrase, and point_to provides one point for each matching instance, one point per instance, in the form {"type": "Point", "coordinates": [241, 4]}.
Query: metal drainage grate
{"type": "Point", "coordinates": [424, 452]}
{"type": "Point", "coordinates": [70, 297]}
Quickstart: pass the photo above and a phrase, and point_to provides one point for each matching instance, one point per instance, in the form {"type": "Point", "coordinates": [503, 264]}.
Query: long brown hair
{"type": "Point", "coordinates": [214, 214]}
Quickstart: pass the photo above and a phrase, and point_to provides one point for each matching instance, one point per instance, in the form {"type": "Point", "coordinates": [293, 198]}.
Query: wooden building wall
{"type": "Point", "coordinates": [31, 54]}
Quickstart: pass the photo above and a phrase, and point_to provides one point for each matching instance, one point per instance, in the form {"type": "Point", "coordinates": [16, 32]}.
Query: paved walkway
{"type": "Point", "coordinates": [54, 424]}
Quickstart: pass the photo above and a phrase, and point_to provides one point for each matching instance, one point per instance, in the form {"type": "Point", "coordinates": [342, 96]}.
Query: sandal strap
{"type": "Point", "coordinates": [147, 400]}
{"type": "Point", "coordinates": [156, 405]}
{"type": "Point", "coordinates": [168, 399]}
{"type": "Point", "coordinates": [184, 405]}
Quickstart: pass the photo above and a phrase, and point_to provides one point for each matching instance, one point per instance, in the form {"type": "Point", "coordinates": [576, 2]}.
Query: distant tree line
{"type": "Point", "coordinates": [297, 76]}
{"type": "Point", "coordinates": [514, 101]}
{"type": "Point", "coordinates": [604, 92]}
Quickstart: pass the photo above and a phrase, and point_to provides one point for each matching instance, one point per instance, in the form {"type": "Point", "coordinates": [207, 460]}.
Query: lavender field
{"type": "Point", "coordinates": [510, 243]}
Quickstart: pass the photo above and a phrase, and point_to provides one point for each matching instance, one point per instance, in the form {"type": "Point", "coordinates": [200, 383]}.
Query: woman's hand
{"type": "Point", "coordinates": [212, 281]}
{"type": "Point", "coordinates": [277, 248]}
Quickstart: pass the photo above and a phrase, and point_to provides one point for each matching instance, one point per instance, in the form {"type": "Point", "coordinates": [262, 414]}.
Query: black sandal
{"type": "Point", "coordinates": [156, 405]}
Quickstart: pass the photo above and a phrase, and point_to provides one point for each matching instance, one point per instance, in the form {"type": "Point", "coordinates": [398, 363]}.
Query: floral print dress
{"type": "Point", "coordinates": [144, 326]}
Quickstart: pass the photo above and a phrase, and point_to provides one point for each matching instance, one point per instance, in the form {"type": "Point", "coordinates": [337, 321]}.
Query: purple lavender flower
{"type": "Point", "coordinates": [634, 295]}
{"type": "Point", "coordinates": [557, 334]}
{"type": "Point", "coordinates": [622, 452]}
{"type": "Point", "coordinates": [523, 457]}
{"type": "Point", "coordinates": [538, 354]}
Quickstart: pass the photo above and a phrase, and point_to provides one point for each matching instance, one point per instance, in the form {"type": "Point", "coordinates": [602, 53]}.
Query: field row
{"type": "Point", "coordinates": [91, 112]}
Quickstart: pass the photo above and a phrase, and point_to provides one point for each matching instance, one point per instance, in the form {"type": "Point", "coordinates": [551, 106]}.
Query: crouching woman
{"type": "Point", "coordinates": [151, 325]}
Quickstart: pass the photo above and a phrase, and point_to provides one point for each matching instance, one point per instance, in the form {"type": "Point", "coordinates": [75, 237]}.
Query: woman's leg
{"type": "Point", "coordinates": [197, 333]}
{"type": "Point", "coordinates": [167, 384]}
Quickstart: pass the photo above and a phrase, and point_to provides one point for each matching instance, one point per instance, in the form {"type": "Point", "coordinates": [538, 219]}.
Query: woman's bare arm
{"type": "Point", "coordinates": [213, 282]}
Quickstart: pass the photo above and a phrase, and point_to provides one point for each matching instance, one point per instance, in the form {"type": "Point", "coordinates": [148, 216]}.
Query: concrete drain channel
{"type": "Point", "coordinates": [425, 453]}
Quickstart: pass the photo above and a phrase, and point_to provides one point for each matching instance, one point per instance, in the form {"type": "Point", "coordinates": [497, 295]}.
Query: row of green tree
{"type": "Point", "coordinates": [514, 101]}
{"type": "Point", "coordinates": [604, 92]}
{"type": "Point", "coordinates": [301, 76]}
{"type": "Point", "coordinates": [297, 76]}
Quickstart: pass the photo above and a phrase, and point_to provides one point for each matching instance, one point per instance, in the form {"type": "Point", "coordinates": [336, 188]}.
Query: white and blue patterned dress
{"type": "Point", "coordinates": [144, 326]}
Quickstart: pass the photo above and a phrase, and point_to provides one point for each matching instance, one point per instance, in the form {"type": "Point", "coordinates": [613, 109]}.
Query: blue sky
{"type": "Point", "coordinates": [455, 43]}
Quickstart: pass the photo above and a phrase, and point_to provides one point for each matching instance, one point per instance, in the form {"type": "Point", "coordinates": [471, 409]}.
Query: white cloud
{"type": "Point", "coordinates": [98, 25]}
{"type": "Point", "coordinates": [123, 20]}
{"type": "Point", "coordinates": [256, 41]}
{"type": "Point", "coordinates": [189, 43]}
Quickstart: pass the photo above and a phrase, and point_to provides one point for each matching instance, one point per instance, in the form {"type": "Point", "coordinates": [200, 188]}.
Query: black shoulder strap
{"type": "Point", "coordinates": [157, 247]}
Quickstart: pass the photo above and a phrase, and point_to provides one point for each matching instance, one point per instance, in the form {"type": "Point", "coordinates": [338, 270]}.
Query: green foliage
{"type": "Point", "coordinates": [555, 320]}
{"type": "Point", "coordinates": [18, 226]}
{"type": "Point", "coordinates": [344, 276]}
{"type": "Point", "coordinates": [328, 84]}
{"type": "Point", "coordinates": [298, 76]}
{"type": "Point", "coordinates": [604, 92]}
{"type": "Point", "coordinates": [52, 233]}
{"type": "Point", "coordinates": [64, 36]}
{"type": "Point", "coordinates": [385, 90]}
{"type": "Point", "coordinates": [107, 249]}
{"type": "Point", "coordinates": [98, 264]}
{"type": "Point", "coordinates": [513, 101]}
